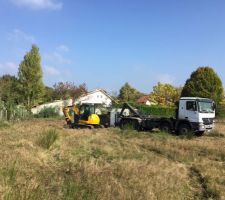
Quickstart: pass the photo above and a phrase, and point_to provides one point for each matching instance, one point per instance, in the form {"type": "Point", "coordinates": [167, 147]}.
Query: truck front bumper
{"type": "Point", "coordinates": [204, 127]}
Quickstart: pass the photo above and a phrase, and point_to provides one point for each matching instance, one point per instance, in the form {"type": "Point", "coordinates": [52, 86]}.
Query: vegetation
{"type": "Point", "coordinates": [157, 110]}
{"type": "Point", "coordinates": [128, 93]}
{"type": "Point", "coordinates": [108, 163]}
{"type": "Point", "coordinates": [28, 89]}
{"type": "Point", "coordinates": [47, 138]}
{"type": "Point", "coordinates": [220, 111]}
{"type": "Point", "coordinates": [165, 94]}
{"type": "Point", "coordinates": [9, 95]}
{"type": "Point", "coordinates": [65, 90]}
{"type": "Point", "coordinates": [48, 112]}
{"type": "Point", "coordinates": [204, 82]}
{"type": "Point", "coordinates": [30, 78]}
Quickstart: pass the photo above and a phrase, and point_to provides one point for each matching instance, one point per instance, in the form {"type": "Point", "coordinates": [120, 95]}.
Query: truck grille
{"type": "Point", "coordinates": [207, 121]}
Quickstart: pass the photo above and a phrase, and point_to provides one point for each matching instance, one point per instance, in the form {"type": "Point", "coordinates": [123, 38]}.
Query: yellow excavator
{"type": "Point", "coordinates": [82, 116]}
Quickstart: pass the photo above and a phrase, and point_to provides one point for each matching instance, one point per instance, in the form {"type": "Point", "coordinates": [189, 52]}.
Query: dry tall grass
{"type": "Point", "coordinates": [40, 159]}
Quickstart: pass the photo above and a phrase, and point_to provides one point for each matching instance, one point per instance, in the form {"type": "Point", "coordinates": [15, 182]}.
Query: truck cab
{"type": "Point", "coordinates": [195, 113]}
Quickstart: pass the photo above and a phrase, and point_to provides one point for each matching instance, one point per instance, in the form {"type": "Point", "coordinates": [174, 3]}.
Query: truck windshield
{"type": "Point", "coordinates": [206, 106]}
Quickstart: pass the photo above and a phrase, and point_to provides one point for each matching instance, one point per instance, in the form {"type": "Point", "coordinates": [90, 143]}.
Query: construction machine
{"type": "Point", "coordinates": [86, 115]}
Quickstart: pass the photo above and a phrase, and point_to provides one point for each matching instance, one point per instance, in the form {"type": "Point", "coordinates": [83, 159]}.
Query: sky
{"type": "Point", "coordinates": [105, 43]}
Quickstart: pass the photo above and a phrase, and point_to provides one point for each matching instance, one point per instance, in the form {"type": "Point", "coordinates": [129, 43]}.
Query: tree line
{"type": "Point", "coordinates": [203, 82]}
{"type": "Point", "coordinates": [28, 89]}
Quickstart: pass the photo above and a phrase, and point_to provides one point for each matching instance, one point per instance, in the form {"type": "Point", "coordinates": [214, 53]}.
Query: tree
{"type": "Point", "coordinates": [9, 93]}
{"type": "Point", "coordinates": [165, 94]}
{"type": "Point", "coordinates": [77, 91]}
{"type": "Point", "coordinates": [49, 94]}
{"type": "Point", "coordinates": [8, 89]}
{"type": "Point", "coordinates": [204, 82]}
{"type": "Point", "coordinates": [128, 93]}
{"type": "Point", "coordinates": [30, 77]}
{"type": "Point", "coordinates": [65, 90]}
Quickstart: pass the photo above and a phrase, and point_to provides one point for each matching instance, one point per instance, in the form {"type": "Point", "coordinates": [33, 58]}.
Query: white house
{"type": "Point", "coordinates": [97, 96]}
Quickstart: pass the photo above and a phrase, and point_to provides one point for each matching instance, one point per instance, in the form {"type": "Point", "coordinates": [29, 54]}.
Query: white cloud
{"type": "Point", "coordinates": [39, 4]}
{"type": "Point", "coordinates": [18, 35]}
{"type": "Point", "coordinates": [8, 68]}
{"type": "Point", "coordinates": [165, 78]}
{"type": "Point", "coordinates": [52, 70]}
{"type": "Point", "coordinates": [63, 48]}
{"type": "Point", "coordinates": [55, 57]}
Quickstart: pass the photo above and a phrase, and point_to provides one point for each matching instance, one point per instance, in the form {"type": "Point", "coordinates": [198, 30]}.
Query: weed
{"type": "Point", "coordinates": [128, 132]}
{"type": "Point", "coordinates": [48, 138]}
{"type": "Point", "coordinates": [74, 188]}
{"type": "Point", "coordinates": [4, 124]}
{"type": "Point", "coordinates": [9, 174]}
{"type": "Point", "coordinates": [216, 133]}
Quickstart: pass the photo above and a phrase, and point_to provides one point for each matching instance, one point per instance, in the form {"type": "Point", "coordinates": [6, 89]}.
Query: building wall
{"type": "Point", "coordinates": [56, 104]}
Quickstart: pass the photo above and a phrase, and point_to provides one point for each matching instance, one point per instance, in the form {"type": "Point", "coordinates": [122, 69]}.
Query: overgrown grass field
{"type": "Point", "coordinates": [41, 159]}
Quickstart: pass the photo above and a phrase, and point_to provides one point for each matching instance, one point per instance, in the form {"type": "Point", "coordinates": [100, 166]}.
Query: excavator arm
{"type": "Point", "coordinates": [131, 109]}
{"type": "Point", "coordinates": [67, 110]}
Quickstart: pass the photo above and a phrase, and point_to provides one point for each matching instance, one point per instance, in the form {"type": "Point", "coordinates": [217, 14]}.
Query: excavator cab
{"type": "Point", "coordinates": [83, 116]}
{"type": "Point", "coordinates": [86, 110]}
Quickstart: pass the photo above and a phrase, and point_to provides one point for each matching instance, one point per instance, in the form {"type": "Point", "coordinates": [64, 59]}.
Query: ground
{"type": "Point", "coordinates": [42, 159]}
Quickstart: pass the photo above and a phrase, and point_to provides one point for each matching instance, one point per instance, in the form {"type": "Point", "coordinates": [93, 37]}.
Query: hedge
{"type": "Point", "coordinates": [157, 110]}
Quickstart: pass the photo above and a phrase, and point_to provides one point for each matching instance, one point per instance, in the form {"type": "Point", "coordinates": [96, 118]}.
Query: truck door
{"type": "Point", "coordinates": [190, 113]}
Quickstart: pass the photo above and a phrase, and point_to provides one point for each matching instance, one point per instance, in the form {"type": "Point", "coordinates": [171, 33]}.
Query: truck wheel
{"type": "Point", "coordinates": [165, 127]}
{"type": "Point", "coordinates": [184, 129]}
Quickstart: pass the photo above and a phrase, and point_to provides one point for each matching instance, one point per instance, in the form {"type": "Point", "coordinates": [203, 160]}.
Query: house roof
{"type": "Point", "coordinates": [143, 99]}
{"type": "Point", "coordinates": [97, 90]}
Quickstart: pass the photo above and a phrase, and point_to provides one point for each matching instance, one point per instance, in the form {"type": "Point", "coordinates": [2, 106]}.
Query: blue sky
{"type": "Point", "coordinates": [105, 43]}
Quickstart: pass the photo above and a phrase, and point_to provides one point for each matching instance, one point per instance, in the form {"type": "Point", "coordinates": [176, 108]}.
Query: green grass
{"type": "Point", "coordinates": [4, 124]}
{"type": "Point", "coordinates": [48, 138]}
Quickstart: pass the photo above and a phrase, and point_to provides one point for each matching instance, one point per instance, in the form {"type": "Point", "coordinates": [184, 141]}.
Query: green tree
{"type": "Point", "coordinates": [165, 94]}
{"type": "Point", "coordinates": [128, 93]}
{"type": "Point", "coordinates": [49, 94]}
{"type": "Point", "coordinates": [9, 92]}
{"type": "Point", "coordinates": [30, 78]}
{"type": "Point", "coordinates": [204, 82]}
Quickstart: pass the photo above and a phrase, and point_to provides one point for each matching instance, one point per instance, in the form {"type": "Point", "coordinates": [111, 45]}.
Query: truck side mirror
{"type": "Point", "coordinates": [214, 106]}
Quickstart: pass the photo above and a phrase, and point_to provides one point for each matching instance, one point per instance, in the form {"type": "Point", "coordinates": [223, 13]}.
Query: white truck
{"type": "Point", "coordinates": [193, 114]}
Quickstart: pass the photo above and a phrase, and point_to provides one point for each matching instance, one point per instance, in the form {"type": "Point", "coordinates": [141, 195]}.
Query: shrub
{"type": "Point", "coordinates": [48, 138]}
{"type": "Point", "coordinates": [48, 112]}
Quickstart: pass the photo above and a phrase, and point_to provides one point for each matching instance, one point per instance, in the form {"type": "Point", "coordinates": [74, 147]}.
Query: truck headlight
{"type": "Point", "coordinates": [201, 126]}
